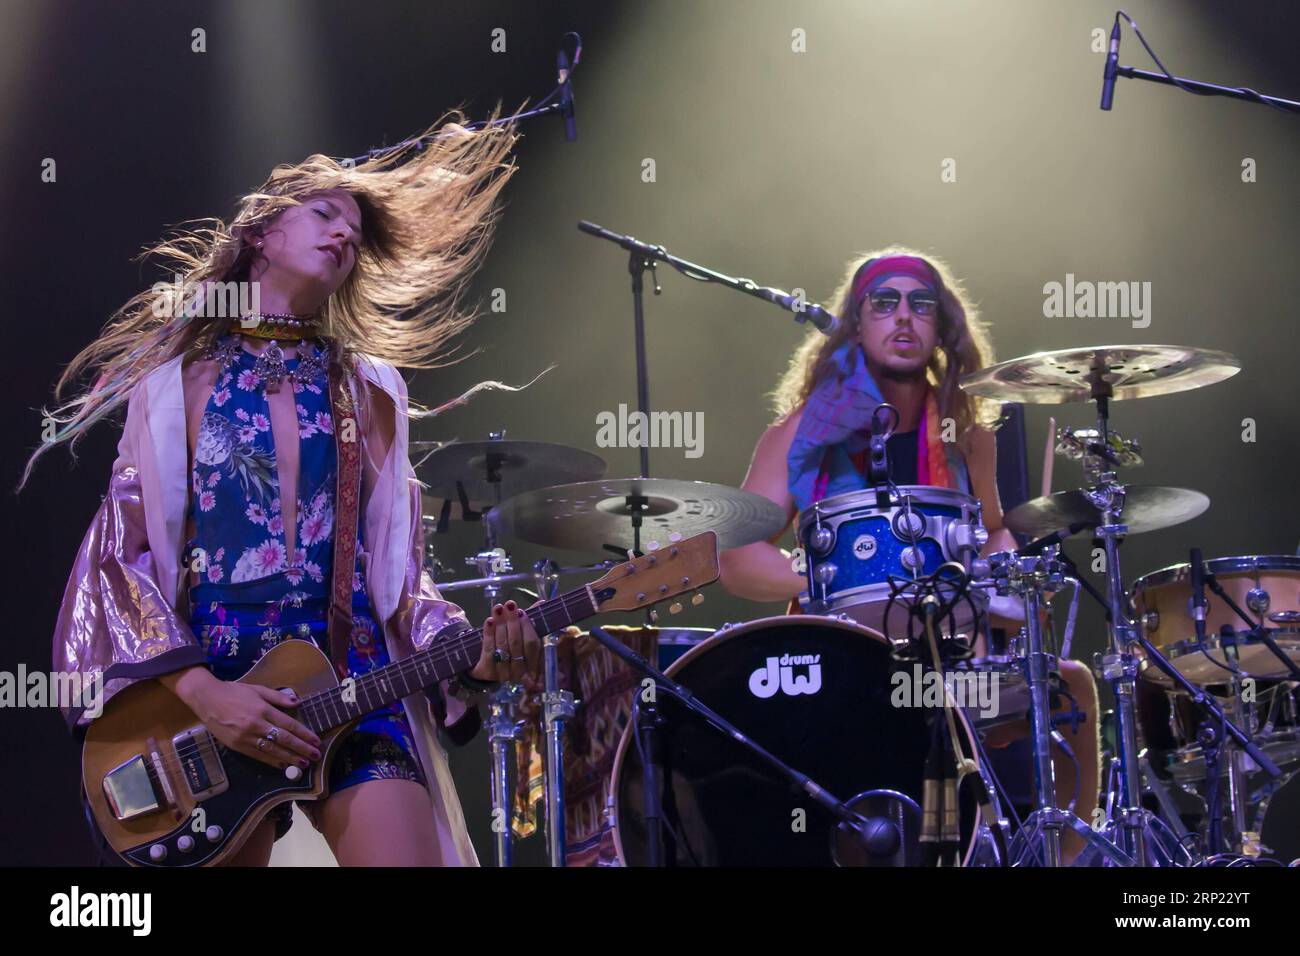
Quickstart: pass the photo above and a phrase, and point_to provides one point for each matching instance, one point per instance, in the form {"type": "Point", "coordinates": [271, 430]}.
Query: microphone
{"type": "Point", "coordinates": [1108, 75]}
{"type": "Point", "coordinates": [825, 322]}
{"type": "Point", "coordinates": [1198, 595]}
{"type": "Point", "coordinates": [566, 95]}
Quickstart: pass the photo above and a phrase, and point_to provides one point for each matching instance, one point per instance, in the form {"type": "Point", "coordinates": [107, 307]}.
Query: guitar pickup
{"type": "Point", "coordinates": [200, 763]}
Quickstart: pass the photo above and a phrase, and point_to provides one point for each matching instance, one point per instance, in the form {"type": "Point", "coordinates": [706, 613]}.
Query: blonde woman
{"type": "Point", "coordinates": [217, 536]}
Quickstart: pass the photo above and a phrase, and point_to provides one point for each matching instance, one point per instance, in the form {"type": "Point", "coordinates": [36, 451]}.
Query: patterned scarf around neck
{"type": "Point", "coordinates": [836, 425]}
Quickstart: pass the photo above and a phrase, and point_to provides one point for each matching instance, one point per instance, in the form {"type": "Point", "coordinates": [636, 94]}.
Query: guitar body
{"type": "Point", "coordinates": [155, 777]}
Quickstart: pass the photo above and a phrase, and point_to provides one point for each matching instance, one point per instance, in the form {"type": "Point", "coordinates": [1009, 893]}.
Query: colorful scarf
{"type": "Point", "coordinates": [836, 427]}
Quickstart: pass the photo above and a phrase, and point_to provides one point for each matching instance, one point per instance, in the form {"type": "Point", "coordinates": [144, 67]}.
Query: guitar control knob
{"type": "Point", "coordinates": [157, 853]}
{"type": "Point", "coordinates": [185, 844]}
{"type": "Point", "coordinates": [293, 773]}
{"type": "Point", "coordinates": [213, 833]}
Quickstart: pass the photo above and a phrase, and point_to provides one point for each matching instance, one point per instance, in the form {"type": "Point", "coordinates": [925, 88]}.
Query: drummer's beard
{"type": "Point", "coordinates": [902, 375]}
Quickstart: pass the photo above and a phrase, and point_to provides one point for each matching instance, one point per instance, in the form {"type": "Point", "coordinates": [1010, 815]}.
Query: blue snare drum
{"type": "Point", "coordinates": [851, 549]}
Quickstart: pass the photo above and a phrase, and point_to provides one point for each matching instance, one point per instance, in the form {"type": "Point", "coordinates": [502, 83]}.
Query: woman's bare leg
{"type": "Point", "coordinates": [256, 851]}
{"type": "Point", "coordinates": [380, 823]}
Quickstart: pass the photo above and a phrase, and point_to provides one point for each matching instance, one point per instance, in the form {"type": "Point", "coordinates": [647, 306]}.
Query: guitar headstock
{"type": "Point", "coordinates": [676, 568]}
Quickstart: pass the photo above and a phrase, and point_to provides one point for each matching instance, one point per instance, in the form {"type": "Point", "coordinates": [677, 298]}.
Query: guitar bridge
{"type": "Point", "coordinates": [144, 783]}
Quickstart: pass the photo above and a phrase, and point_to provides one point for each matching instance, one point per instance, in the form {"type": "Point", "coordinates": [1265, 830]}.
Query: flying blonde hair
{"type": "Point", "coordinates": [428, 209]}
{"type": "Point", "coordinates": [963, 347]}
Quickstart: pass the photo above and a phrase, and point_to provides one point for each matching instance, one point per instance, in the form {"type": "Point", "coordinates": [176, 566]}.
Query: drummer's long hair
{"type": "Point", "coordinates": [963, 347]}
{"type": "Point", "coordinates": [428, 213]}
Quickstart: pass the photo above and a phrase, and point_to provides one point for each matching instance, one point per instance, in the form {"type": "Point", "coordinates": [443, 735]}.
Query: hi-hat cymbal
{"type": "Point", "coordinates": [1146, 508]}
{"type": "Point", "coordinates": [520, 465]}
{"type": "Point", "coordinates": [1119, 371]}
{"type": "Point", "coordinates": [589, 515]}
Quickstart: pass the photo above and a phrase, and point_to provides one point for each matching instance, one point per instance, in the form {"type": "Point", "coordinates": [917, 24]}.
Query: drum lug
{"type": "Point", "coordinates": [822, 539]}
{"type": "Point", "coordinates": [1151, 620]}
{"type": "Point", "coordinates": [1257, 600]}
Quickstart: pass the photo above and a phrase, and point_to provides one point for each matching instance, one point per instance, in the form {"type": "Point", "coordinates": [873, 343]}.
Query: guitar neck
{"type": "Point", "coordinates": [454, 649]}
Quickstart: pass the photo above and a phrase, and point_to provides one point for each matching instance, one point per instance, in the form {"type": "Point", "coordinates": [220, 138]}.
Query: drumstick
{"type": "Point", "coordinates": [1048, 457]}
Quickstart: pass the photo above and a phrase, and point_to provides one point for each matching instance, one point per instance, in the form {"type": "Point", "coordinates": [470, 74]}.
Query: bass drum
{"type": "Point", "coordinates": [813, 691]}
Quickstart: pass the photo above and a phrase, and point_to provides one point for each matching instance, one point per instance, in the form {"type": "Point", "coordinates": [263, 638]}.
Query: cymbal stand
{"type": "Point", "coordinates": [1030, 577]}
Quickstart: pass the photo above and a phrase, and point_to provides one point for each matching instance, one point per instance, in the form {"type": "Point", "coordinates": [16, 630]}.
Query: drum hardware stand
{"type": "Point", "coordinates": [503, 730]}
{"type": "Point", "coordinates": [1132, 823]}
{"type": "Point", "coordinates": [877, 834]}
{"type": "Point", "coordinates": [1106, 664]}
{"type": "Point", "coordinates": [1156, 787]}
{"type": "Point", "coordinates": [558, 707]}
{"type": "Point", "coordinates": [1029, 577]}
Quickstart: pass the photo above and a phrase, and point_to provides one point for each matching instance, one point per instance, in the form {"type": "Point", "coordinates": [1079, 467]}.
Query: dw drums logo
{"type": "Point", "coordinates": [778, 675]}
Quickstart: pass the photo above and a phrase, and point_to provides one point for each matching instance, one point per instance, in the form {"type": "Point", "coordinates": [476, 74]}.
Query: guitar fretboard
{"type": "Point", "coordinates": [455, 649]}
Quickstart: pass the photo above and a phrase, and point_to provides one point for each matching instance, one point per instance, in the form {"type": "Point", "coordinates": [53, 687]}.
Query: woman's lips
{"type": "Point", "coordinates": [333, 254]}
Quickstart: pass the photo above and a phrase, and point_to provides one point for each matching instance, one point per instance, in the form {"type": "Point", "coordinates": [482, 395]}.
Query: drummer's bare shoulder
{"type": "Point", "coordinates": [768, 475]}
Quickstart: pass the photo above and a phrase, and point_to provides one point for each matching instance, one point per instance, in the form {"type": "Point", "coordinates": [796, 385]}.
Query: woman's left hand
{"type": "Point", "coordinates": [508, 630]}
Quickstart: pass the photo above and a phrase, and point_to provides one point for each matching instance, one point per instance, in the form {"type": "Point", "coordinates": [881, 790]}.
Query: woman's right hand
{"type": "Point", "coordinates": [242, 715]}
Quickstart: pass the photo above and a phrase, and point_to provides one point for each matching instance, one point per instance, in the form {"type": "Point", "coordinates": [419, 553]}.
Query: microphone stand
{"type": "Point", "coordinates": [1208, 89]}
{"type": "Point", "coordinates": [1113, 70]}
{"type": "Point", "coordinates": [804, 311]}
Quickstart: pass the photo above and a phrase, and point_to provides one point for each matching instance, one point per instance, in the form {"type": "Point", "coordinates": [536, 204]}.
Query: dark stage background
{"type": "Point", "coordinates": [769, 163]}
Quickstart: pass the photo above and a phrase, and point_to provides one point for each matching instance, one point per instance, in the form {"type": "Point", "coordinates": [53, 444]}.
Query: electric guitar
{"type": "Point", "coordinates": [166, 793]}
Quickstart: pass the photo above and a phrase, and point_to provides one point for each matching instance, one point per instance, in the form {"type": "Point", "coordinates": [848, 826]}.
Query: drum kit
{"type": "Point", "coordinates": [853, 732]}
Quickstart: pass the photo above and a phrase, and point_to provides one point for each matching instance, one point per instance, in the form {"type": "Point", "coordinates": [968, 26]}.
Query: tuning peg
{"type": "Point", "coordinates": [654, 616]}
{"type": "Point", "coordinates": [675, 607]}
{"type": "Point", "coordinates": [652, 546]}
{"type": "Point", "coordinates": [698, 599]}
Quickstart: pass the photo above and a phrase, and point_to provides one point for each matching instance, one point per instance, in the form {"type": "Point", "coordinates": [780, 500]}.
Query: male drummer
{"type": "Point", "coordinates": [906, 336]}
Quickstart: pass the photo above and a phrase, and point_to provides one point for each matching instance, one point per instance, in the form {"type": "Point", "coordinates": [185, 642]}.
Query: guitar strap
{"type": "Point", "coordinates": [347, 442]}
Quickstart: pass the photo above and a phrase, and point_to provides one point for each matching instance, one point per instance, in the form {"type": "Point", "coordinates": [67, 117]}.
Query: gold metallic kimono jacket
{"type": "Point", "coordinates": [124, 612]}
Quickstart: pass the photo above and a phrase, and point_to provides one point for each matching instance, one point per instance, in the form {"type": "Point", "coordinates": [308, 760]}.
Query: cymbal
{"type": "Point", "coordinates": [1146, 508]}
{"type": "Point", "coordinates": [588, 515]}
{"type": "Point", "coordinates": [521, 466]}
{"type": "Point", "coordinates": [1130, 371]}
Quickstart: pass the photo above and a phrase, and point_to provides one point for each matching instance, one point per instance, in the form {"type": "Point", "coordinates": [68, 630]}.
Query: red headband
{"type": "Point", "coordinates": [878, 270]}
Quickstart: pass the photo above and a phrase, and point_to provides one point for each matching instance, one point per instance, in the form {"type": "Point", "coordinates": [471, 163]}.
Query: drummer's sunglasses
{"type": "Point", "coordinates": [885, 300]}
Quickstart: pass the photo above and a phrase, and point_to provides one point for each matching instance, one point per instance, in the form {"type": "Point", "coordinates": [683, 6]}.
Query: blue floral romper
{"type": "Point", "coordinates": [251, 596]}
